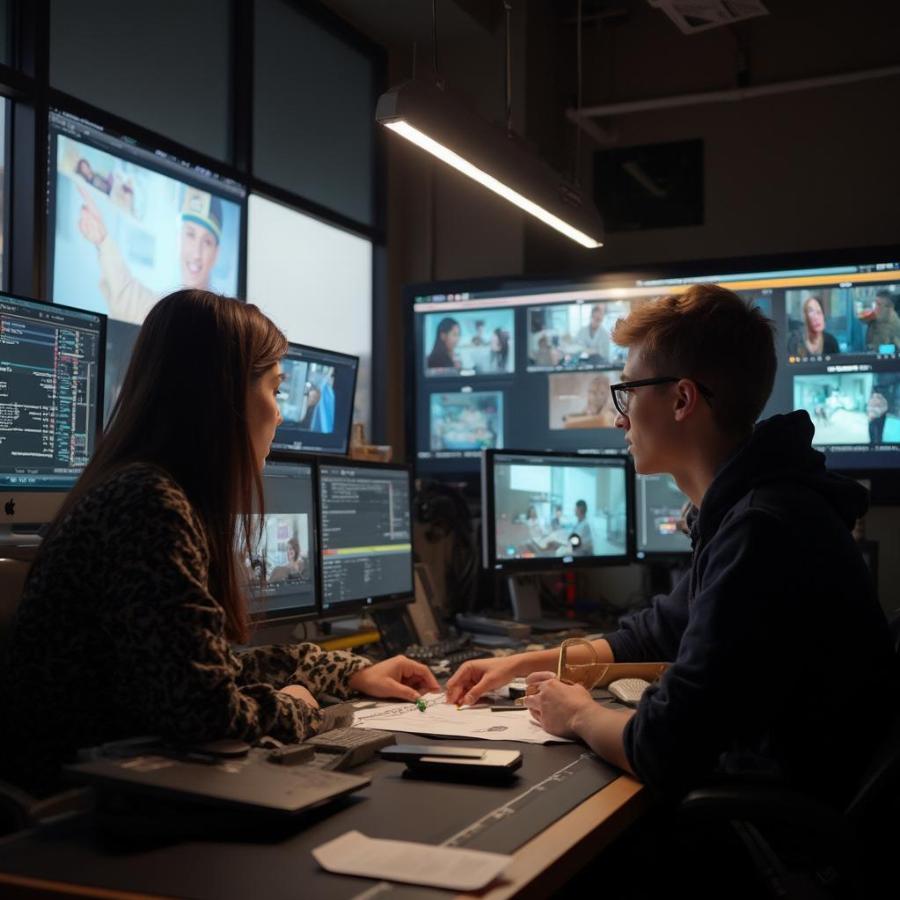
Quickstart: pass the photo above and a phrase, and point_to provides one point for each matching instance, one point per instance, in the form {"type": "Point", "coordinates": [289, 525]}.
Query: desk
{"type": "Point", "coordinates": [67, 860]}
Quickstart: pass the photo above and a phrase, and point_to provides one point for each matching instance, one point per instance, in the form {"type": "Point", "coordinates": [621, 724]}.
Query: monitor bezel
{"type": "Point", "coordinates": [490, 561]}
{"type": "Point", "coordinates": [355, 605]}
{"type": "Point", "coordinates": [40, 497]}
{"type": "Point", "coordinates": [267, 617]}
{"type": "Point", "coordinates": [885, 482]}
{"type": "Point", "coordinates": [306, 451]}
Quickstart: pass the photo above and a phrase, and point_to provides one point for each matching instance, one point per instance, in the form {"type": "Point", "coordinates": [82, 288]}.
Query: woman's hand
{"type": "Point", "coordinates": [555, 705]}
{"type": "Point", "coordinates": [395, 677]}
{"type": "Point", "coordinates": [298, 692]}
{"type": "Point", "coordinates": [478, 676]}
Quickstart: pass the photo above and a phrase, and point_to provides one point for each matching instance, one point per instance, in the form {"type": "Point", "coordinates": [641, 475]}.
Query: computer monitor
{"type": "Point", "coordinates": [316, 400]}
{"type": "Point", "coordinates": [129, 223]}
{"type": "Point", "coordinates": [366, 535]}
{"type": "Point", "coordinates": [549, 510]}
{"type": "Point", "coordinates": [658, 512]}
{"type": "Point", "coordinates": [527, 364]}
{"type": "Point", "coordinates": [283, 569]}
{"type": "Point", "coordinates": [51, 395]}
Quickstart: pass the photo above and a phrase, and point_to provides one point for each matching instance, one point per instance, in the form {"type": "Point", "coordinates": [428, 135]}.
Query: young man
{"type": "Point", "coordinates": [782, 664]}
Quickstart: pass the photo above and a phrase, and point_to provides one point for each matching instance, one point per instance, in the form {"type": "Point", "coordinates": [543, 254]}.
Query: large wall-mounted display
{"type": "Point", "coordinates": [528, 365]}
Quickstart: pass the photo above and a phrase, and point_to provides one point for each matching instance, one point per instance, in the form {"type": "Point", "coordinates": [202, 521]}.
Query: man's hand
{"type": "Point", "coordinates": [555, 705]}
{"type": "Point", "coordinates": [90, 222]}
{"type": "Point", "coordinates": [478, 676]}
{"type": "Point", "coordinates": [395, 677]}
{"type": "Point", "coordinates": [298, 692]}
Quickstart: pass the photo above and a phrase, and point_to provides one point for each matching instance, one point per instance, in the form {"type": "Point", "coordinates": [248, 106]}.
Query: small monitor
{"type": "Point", "coordinates": [548, 510]}
{"type": "Point", "coordinates": [366, 535]}
{"type": "Point", "coordinates": [316, 401]}
{"type": "Point", "coordinates": [128, 223]}
{"type": "Point", "coordinates": [51, 399]}
{"type": "Point", "coordinates": [282, 570]}
{"type": "Point", "coordinates": [658, 514]}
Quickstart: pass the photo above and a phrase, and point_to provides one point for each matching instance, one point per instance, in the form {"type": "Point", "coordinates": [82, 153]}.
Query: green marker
{"type": "Point", "coordinates": [421, 704]}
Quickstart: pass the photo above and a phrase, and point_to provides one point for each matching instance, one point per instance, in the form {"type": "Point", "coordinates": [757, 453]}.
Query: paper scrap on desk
{"type": "Point", "coordinates": [442, 719]}
{"type": "Point", "coordinates": [452, 868]}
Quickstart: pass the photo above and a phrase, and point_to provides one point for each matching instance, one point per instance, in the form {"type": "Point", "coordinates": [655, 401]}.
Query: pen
{"type": "Point", "coordinates": [508, 708]}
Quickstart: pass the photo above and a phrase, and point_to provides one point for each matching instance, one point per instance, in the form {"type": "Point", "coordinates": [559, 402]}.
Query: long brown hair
{"type": "Point", "coordinates": [182, 407]}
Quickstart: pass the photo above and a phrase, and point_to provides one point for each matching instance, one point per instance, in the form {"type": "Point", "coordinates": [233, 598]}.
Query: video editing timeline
{"type": "Point", "coordinates": [366, 533]}
{"type": "Point", "coordinates": [50, 361]}
{"type": "Point", "coordinates": [316, 400]}
{"type": "Point", "coordinates": [281, 571]}
{"type": "Point", "coordinates": [555, 509]}
{"type": "Point", "coordinates": [530, 365]}
{"type": "Point", "coordinates": [658, 508]}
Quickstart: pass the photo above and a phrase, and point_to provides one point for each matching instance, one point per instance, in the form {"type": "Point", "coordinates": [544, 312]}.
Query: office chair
{"type": "Point", "coordinates": [801, 847]}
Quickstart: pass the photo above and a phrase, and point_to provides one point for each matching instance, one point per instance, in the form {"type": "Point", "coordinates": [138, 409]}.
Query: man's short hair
{"type": "Point", "coordinates": [710, 334]}
{"type": "Point", "coordinates": [884, 292]}
{"type": "Point", "coordinates": [580, 504]}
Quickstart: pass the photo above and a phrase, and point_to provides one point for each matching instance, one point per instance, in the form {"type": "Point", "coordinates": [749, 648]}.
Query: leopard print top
{"type": "Point", "coordinates": [117, 635]}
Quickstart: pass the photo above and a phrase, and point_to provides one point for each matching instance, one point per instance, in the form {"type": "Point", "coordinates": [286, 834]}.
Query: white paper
{"type": "Point", "coordinates": [453, 868]}
{"type": "Point", "coordinates": [442, 719]}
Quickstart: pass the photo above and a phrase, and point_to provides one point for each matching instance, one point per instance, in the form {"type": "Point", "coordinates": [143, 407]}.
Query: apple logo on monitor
{"type": "Point", "coordinates": [10, 507]}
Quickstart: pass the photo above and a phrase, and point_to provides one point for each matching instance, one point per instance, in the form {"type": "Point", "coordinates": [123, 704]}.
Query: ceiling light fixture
{"type": "Point", "coordinates": [429, 117]}
{"type": "Point", "coordinates": [425, 115]}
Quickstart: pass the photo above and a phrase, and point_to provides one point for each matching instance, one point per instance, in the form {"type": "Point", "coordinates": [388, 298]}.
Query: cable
{"type": "Point", "coordinates": [434, 52]}
{"type": "Point", "coordinates": [508, 7]}
{"type": "Point", "coordinates": [578, 123]}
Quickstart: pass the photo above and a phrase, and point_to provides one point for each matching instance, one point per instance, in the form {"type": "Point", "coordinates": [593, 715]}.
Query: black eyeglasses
{"type": "Point", "coordinates": [621, 392]}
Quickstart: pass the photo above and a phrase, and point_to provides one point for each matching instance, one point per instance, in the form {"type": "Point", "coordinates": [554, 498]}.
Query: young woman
{"type": "Point", "coordinates": [126, 621]}
{"type": "Point", "coordinates": [812, 339]}
{"type": "Point", "coordinates": [443, 354]}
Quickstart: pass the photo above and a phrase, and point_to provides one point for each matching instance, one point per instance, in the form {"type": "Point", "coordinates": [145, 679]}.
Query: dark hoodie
{"type": "Point", "coordinates": [782, 660]}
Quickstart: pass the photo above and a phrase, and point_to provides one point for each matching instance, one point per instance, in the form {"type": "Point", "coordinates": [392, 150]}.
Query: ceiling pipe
{"type": "Point", "coordinates": [750, 93]}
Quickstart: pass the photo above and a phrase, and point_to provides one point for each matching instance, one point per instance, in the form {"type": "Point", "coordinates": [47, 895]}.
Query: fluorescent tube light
{"type": "Point", "coordinates": [424, 114]}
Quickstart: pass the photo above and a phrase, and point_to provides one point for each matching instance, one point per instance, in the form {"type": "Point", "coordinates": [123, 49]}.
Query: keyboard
{"type": "Point", "coordinates": [445, 657]}
{"type": "Point", "coordinates": [460, 656]}
{"type": "Point", "coordinates": [432, 653]}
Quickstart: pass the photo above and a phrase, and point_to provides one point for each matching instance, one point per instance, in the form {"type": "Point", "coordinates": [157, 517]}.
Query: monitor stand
{"type": "Point", "coordinates": [524, 592]}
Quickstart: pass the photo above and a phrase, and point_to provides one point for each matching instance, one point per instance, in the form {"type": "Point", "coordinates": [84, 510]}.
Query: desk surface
{"type": "Point", "coordinates": [69, 860]}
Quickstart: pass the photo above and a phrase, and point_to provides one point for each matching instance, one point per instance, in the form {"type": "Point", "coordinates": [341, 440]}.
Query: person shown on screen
{"type": "Point", "coordinates": [95, 179]}
{"type": "Point", "coordinates": [593, 338]}
{"type": "Point", "coordinates": [877, 410]}
{"type": "Point", "coordinates": [499, 349]}
{"type": "Point", "coordinates": [319, 415]}
{"type": "Point", "coordinates": [128, 618]}
{"type": "Point", "coordinates": [545, 353]}
{"type": "Point", "coordinates": [812, 339]}
{"type": "Point", "coordinates": [294, 568]}
{"type": "Point", "coordinates": [557, 521]}
{"type": "Point", "coordinates": [699, 370]}
{"type": "Point", "coordinates": [535, 527]}
{"type": "Point", "coordinates": [584, 545]}
{"type": "Point", "coordinates": [445, 341]}
{"type": "Point", "coordinates": [478, 339]}
{"type": "Point", "coordinates": [598, 411]}
{"type": "Point", "coordinates": [201, 232]}
{"type": "Point", "coordinates": [884, 328]}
